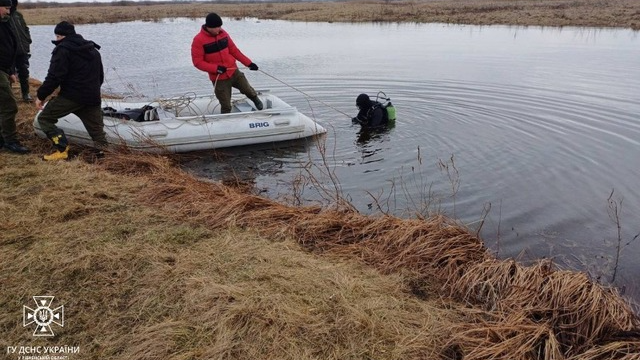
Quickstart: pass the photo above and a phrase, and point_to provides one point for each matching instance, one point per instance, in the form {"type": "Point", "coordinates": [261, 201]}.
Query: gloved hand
{"type": "Point", "coordinates": [253, 67]}
{"type": "Point", "coordinates": [221, 69]}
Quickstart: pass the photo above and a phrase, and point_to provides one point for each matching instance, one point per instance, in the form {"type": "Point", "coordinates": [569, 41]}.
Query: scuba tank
{"type": "Point", "coordinates": [391, 111]}
{"type": "Point", "coordinates": [388, 106]}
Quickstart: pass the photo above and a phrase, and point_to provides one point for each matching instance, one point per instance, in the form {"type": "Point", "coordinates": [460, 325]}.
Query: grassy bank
{"type": "Point", "coordinates": [153, 263]}
{"type": "Point", "coordinates": [139, 282]}
{"type": "Point", "coordinates": [590, 13]}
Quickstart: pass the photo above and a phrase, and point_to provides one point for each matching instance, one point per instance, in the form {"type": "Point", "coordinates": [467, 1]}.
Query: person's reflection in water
{"type": "Point", "coordinates": [373, 143]}
{"type": "Point", "coordinates": [366, 135]}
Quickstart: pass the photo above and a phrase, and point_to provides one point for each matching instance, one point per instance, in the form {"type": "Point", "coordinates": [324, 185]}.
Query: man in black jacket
{"type": "Point", "coordinates": [76, 67]}
{"type": "Point", "coordinates": [8, 106]}
{"type": "Point", "coordinates": [23, 37]}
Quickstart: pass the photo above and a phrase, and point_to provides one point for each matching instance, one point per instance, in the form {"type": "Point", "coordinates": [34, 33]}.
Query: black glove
{"type": "Point", "coordinates": [253, 67]}
{"type": "Point", "coordinates": [221, 69]}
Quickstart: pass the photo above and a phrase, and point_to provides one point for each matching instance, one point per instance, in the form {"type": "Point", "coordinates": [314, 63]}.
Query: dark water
{"type": "Point", "coordinates": [530, 129]}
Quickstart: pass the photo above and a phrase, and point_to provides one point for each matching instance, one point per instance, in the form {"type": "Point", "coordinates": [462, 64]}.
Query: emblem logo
{"type": "Point", "coordinates": [43, 316]}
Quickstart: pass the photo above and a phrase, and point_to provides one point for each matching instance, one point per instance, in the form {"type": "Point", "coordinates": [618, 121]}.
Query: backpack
{"type": "Point", "coordinates": [145, 113]}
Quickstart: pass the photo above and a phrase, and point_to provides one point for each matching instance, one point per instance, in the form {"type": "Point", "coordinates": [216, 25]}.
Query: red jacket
{"type": "Point", "coordinates": [209, 51]}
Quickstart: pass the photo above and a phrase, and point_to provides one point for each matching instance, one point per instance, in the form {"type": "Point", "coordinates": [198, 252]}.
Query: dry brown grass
{"type": "Point", "coordinates": [548, 313]}
{"type": "Point", "coordinates": [157, 264]}
{"type": "Point", "coordinates": [138, 282]}
{"type": "Point", "coordinates": [591, 13]}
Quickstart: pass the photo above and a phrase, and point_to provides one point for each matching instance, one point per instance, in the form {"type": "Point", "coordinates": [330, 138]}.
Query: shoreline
{"type": "Point", "coordinates": [556, 13]}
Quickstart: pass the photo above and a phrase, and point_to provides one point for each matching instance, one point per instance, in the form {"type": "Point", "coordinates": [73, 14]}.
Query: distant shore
{"type": "Point", "coordinates": [580, 13]}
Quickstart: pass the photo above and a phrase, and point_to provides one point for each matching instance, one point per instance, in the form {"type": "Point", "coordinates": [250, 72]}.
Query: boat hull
{"type": "Point", "coordinates": [191, 124]}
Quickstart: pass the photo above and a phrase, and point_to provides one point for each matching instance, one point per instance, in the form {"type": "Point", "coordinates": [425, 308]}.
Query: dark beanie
{"type": "Point", "coordinates": [363, 100]}
{"type": "Point", "coordinates": [64, 28]}
{"type": "Point", "coordinates": [6, 3]}
{"type": "Point", "coordinates": [213, 20]}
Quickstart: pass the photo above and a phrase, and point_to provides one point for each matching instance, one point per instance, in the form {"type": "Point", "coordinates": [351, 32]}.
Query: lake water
{"type": "Point", "coordinates": [528, 128]}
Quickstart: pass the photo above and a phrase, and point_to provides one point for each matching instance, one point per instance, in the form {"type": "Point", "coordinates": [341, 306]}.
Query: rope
{"type": "Point", "coordinates": [305, 94]}
{"type": "Point", "coordinates": [215, 83]}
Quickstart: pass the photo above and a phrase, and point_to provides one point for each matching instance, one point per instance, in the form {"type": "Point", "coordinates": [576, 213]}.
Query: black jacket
{"type": "Point", "coordinates": [8, 48]}
{"type": "Point", "coordinates": [21, 31]}
{"type": "Point", "coordinates": [76, 67]}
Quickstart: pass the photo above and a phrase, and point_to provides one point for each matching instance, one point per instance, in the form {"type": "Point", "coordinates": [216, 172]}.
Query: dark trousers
{"type": "Point", "coordinates": [222, 89]}
{"type": "Point", "coordinates": [22, 67]}
{"type": "Point", "coordinates": [91, 116]}
{"type": "Point", "coordinates": [8, 110]}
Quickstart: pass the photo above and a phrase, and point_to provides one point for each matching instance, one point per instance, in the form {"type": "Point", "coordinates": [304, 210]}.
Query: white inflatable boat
{"type": "Point", "coordinates": [190, 123]}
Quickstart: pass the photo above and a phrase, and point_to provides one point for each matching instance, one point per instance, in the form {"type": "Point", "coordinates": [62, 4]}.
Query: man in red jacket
{"type": "Point", "coordinates": [213, 51]}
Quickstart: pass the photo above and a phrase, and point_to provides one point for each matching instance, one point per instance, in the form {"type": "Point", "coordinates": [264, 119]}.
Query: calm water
{"type": "Point", "coordinates": [538, 125]}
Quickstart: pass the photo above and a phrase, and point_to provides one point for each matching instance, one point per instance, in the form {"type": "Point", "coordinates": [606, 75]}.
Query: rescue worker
{"type": "Point", "coordinates": [76, 67]}
{"type": "Point", "coordinates": [213, 52]}
{"type": "Point", "coordinates": [8, 106]}
{"type": "Point", "coordinates": [371, 114]}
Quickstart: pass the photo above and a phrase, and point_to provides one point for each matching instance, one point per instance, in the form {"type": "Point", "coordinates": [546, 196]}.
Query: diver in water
{"type": "Point", "coordinates": [371, 114]}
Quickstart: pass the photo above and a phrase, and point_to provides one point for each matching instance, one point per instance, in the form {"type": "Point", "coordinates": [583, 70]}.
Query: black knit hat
{"type": "Point", "coordinates": [5, 3]}
{"type": "Point", "coordinates": [64, 28]}
{"type": "Point", "coordinates": [213, 20]}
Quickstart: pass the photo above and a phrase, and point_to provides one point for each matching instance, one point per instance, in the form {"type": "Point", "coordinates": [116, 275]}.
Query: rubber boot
{"type": "Point", "coordinates": [57, 155]}
{"type": "Point", "coordinates": [16, 147]}
{"type": "Point", "coordinates": [24, 87]}
{"type": "Point", "coordinates": [257, 102]}
{"type": "Point", "coordinates": [61, 145]}
{"type": "Point", "coordinates": [96, 154]}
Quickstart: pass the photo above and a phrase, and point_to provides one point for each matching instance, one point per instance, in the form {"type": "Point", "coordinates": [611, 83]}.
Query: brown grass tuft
{"type": "Point", "coordinates": [557, 312]}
